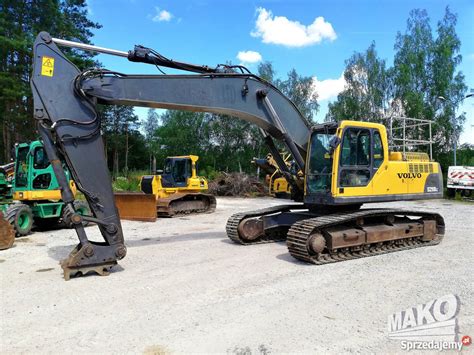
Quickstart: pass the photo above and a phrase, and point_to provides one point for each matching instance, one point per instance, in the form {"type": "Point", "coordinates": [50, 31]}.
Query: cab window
{"type": "Point", "coordinates": [355, 158]}
{"type": "Point", "coordinates": [320, 164]}
{"type": "Point", "coordinates": [356, 147]}
{"type": "Point", "coordinates": [354, 177]}
{"type": "Point", "coordinates": [168, 166]}
{"type": "Point", "coordinates": [181, 170]}
{"type": "Point", "coordinates": [378, 150]}
{"type": "Point", "coordinates": [40, 160]}
{"type": "Point", "coordinates": [42, 181]}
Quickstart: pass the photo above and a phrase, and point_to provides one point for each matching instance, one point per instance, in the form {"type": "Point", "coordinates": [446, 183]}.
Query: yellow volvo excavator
{"type": "Point", "coordinates": [175, 190]}
{"type": "Point", "coordinates": [345, 164]}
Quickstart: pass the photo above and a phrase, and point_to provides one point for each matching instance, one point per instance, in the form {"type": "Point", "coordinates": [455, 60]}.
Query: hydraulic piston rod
{"type": "Point", "coordinates": [138, 54]}
{"type": "Point", "coordinates": [89, 47]}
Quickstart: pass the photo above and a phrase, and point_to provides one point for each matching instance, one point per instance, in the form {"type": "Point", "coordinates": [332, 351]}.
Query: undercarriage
{"type": "Point", "coordinates": [318, 238]}
{"type": "Point", "coordinates": [185, 203]}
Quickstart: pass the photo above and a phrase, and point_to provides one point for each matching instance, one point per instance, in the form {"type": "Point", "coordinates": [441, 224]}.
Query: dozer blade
{"type": "Point", "coordinates": [185, 203]}
{"type": "Point", "coordinates": [7, 233]}
{"type": "Point", "coordinates": [136, 206]}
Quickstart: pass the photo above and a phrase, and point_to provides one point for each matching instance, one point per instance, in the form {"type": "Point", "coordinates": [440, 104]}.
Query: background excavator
{"type": "Point", "coordinates": [345, 164]}
{"type": "Point", "coordinates": [175, 190]}
{"type": "Point", "coordinates": [278, 185]}
{"type": "Point", "coordinates": [30, 194]}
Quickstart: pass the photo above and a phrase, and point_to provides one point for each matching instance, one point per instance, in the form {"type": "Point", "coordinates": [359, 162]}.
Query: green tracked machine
{"type": "Point", "coordinates": [30, 194]}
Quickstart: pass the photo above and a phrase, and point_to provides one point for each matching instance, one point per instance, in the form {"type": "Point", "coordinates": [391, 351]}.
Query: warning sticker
{"type": "Point", "coordinates": [47, 66]}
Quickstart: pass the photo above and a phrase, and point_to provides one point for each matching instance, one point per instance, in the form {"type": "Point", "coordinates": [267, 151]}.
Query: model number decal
{"type": "Point", "coordinates": [432, 189]}
{"type": "Point", "coordinates": [409, 175]}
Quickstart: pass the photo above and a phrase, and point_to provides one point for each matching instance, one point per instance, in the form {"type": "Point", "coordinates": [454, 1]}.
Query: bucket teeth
{"type": "Point", "coordinates": [81, 261]}
{"type": "Point", "coordinates": [71, 271]}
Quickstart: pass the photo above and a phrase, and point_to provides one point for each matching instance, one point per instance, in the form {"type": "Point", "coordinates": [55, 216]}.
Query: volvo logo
{"type": "Point", "coordinates": [409, 175]}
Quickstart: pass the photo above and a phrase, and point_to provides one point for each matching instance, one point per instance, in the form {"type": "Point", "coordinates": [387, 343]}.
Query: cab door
{"type": "Point", "coordinates": [41, 173]}
{"type": "Point", "coordinates": [355, 168]}
{"type": "Point", "coordinates": [361, 155]}
{"type": "Point", "coordinates": [22, 169]}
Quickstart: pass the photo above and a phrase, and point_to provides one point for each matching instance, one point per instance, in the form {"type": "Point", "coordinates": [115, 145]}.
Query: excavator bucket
{"type": "Point", "coordinates": [136, 206]}
{"type": "Point", "coordinates": [7, 234]}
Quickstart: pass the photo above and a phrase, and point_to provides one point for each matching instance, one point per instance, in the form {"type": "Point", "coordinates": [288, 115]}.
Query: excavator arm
{"type": "Point", "coordinates": [65, 102]}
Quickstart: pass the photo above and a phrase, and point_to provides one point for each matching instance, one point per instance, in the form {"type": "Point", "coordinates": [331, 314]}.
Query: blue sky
{"type": "Point", "coordinates": [314, 37]}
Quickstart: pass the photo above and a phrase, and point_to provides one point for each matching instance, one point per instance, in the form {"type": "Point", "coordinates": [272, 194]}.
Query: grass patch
{"type": "Point", "coordinates": [128, 183]}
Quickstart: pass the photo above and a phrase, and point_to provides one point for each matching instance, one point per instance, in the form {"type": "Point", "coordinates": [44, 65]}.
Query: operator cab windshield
{"type": "Point", "coordinates": [320, 163]}
{"type": "Point", "coordinates": [176, 172]}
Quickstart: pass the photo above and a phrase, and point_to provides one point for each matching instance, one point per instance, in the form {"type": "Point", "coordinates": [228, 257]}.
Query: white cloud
{"type": "Point", "coordinates": [280, 30]}
{"type": "Point", "coordinates": [162, 15]}
{"type": "Point", "coordinates": [249, 57]}
{"type": "Point", "coordinates": [329, 88]}
{"type": "Point", "coordinates": [470, 56]}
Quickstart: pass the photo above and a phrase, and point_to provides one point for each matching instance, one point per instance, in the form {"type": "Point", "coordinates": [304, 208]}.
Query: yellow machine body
{"type": "Point", "coordinates": [41, 195]}
{"type": "Point", "coordinates": [362, 169]}
{"type": "Point", "coordinates": [279, 187]}
{"type": "Point", "coordinates": [176, 190]}
{"type": "Point", "coordinates": [188, 184]}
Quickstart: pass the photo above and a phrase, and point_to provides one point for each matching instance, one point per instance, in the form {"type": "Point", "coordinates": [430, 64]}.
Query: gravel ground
{"type": "Point", "coordinates": [184, 287]}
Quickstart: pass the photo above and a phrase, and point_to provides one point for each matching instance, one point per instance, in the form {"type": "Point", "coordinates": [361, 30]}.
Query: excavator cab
{"type": "Point", "coordinates": [350, 164]}
{"type": "Point", "coordinates": [34, 178]}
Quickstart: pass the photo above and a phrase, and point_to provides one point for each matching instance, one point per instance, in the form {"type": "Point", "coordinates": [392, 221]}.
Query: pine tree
{"type": "Point", "coordinates": [20, 22]}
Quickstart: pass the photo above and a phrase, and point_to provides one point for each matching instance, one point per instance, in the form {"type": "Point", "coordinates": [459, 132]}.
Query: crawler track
{"type": "Point", "coordinates": [300, 233]}
{"type": "Point", "coordinates": [186, 204]}
{"type": "Point", "coordinates": [234, 221]}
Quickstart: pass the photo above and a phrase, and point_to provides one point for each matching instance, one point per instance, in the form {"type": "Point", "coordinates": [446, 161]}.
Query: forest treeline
{"type": "Point", "coordinates": [425, 66]}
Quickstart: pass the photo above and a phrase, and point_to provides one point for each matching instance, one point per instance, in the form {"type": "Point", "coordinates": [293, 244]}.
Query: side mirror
{"type": "Point", "coordinates": [334, 143]}
{"type": "Point", "coordinates": [159, 172]}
